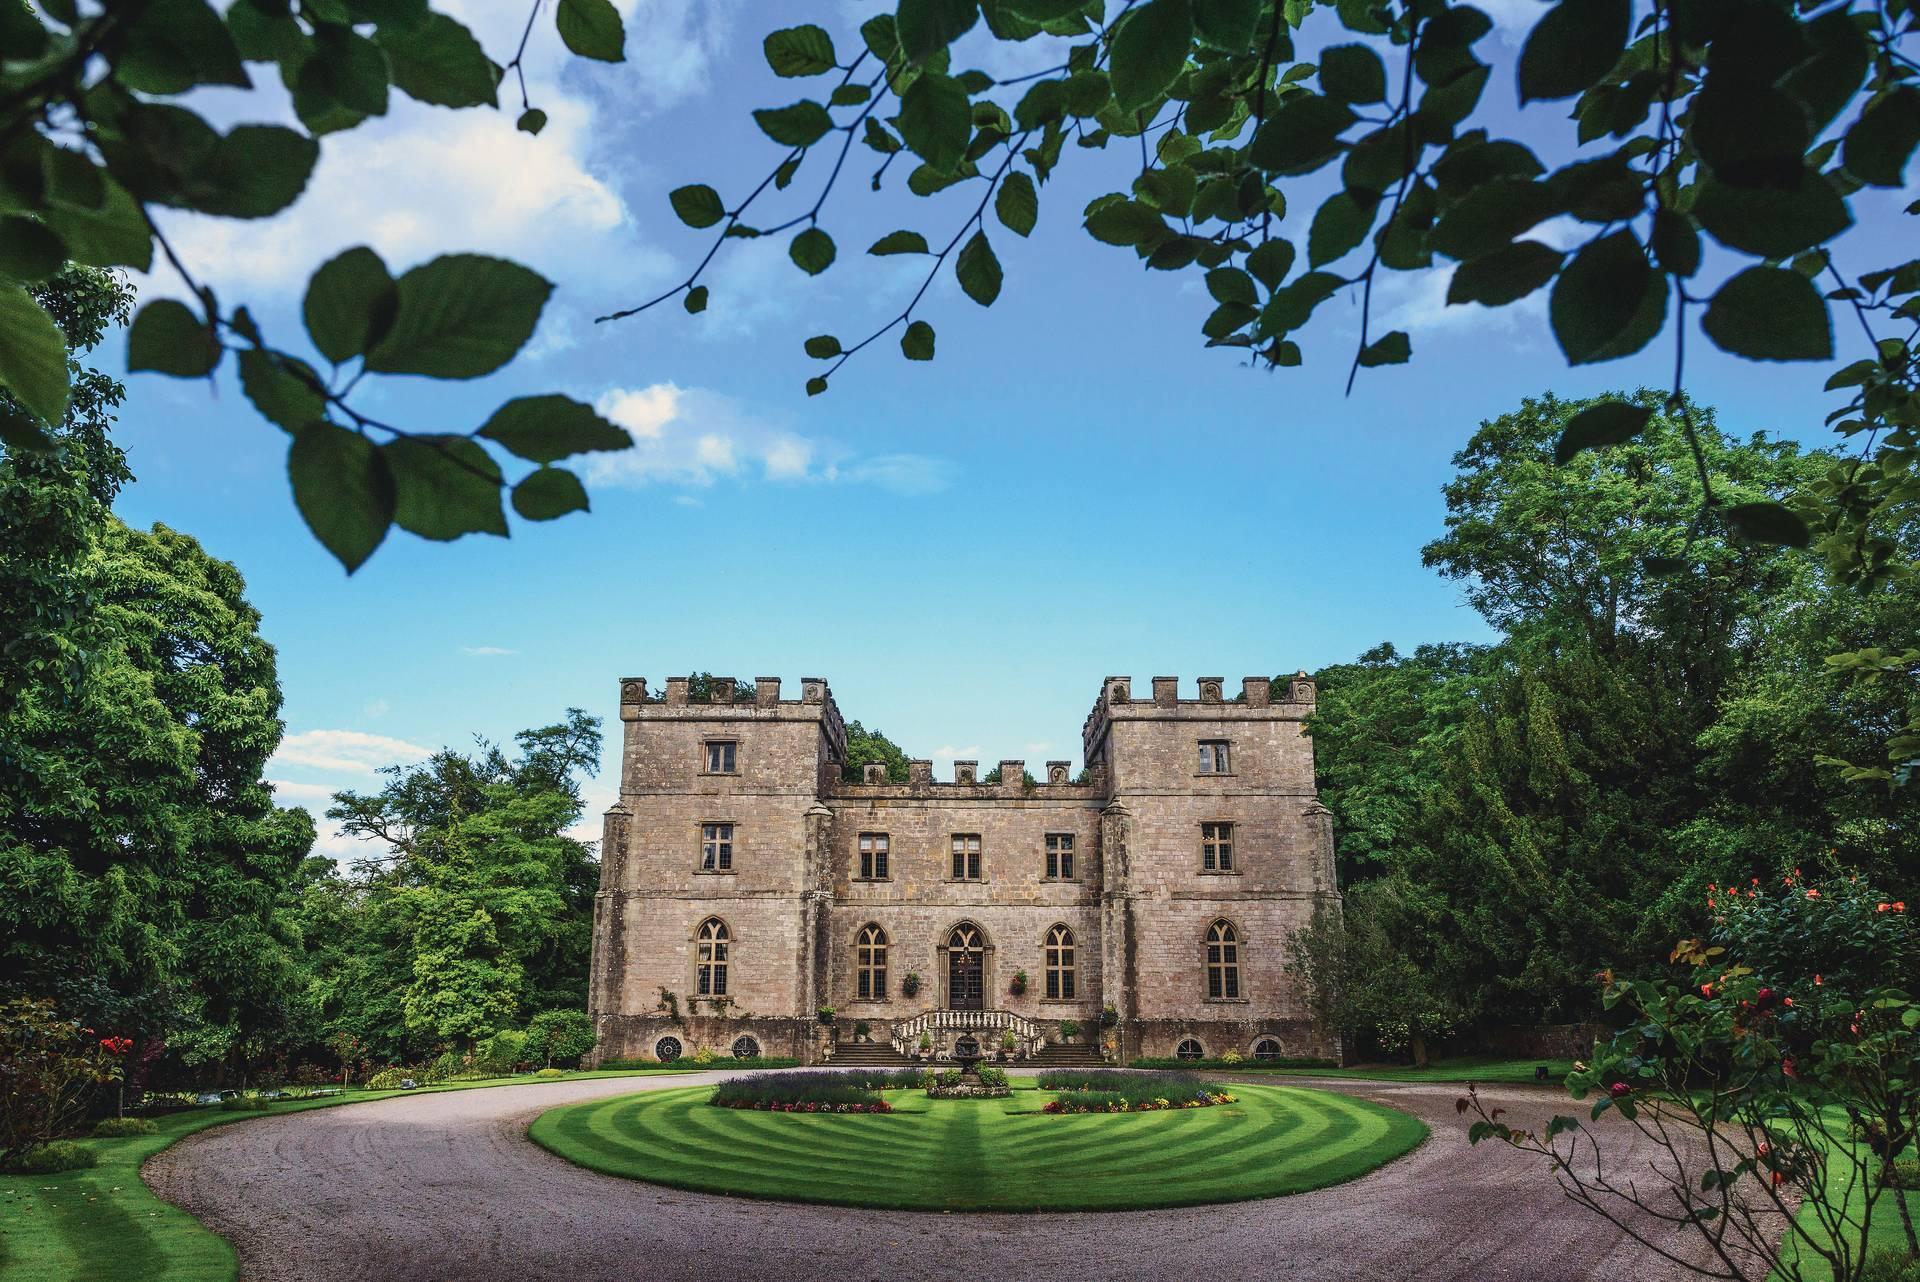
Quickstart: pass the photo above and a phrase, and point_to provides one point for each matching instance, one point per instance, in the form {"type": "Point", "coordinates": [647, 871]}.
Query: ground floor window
{"type": "Point", "coordinates": [1059, 955]}
{"type": "Point", "coordinates": [746, 1048]}
{"type": "Point", "coordinates": [870, 957]}
{"type": "Point", "coordinates": [1266, 1048]}
{"type": "Point", "coordinates": [710, 958]}
{"type": "Point", "coordinates": [1189, 1048]}
{"type": "Point", "coordinates": [667, 1049]}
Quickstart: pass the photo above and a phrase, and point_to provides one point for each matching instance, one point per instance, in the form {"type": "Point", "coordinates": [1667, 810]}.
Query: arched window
{"type": "Point", "coordinates": [710, 959]}
{"type": "Point", "coordinates": [870, 957]}
{"type": "Point", "coordinates": [667, 1049]}
{"type": "Point", "coordinates": [966, 956]}
{"type": "Point", "coordinates": [1189, 1048]}
{"type": "Point", "coordinates": [1059, 957]}
{"type": "Point", "coordinates": [1266, 1049]}
{"type": "Point", "coordinates": [1223, 960]}
{"type": "Point", "coordinates": [746, 1048]}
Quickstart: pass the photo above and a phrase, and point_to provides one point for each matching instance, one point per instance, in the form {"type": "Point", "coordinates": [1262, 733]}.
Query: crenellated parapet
{"type": "Point", "coordinates": [967, 782]}
{"type": "Point", "coordinates": [1258, 697]}
{"type": "Point", "coordinates": [728, 698]}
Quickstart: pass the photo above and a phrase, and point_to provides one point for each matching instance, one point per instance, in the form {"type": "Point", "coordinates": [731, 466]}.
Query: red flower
{"type": "Point", "coordinates": [1881, 908]}
{"type": "Point", "coordinates": [1779, 1178]}
{"type": "Point", "coordinates": [1816, 979]}
{"type": "Point", "coordinates": [1786, 1066]}
{"type": "Point", "coordinates": [1899, 905]}
{"type": "Point", "coordinates": [1813, 894]}
{"type": "Point", "coordinates": [1620, 1090]}
{"type": "Point", "coordinates": [1706, 990]}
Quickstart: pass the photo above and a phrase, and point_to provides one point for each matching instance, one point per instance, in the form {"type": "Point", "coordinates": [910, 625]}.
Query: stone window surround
{"type": "Point", "coordinates": [1233, 862]}
{"type": "Point", "coordinates": [943, 972]}
{"type": "Point", "coordinates": [1223, 753]}
{"type": "Point", "coordinates": [706, 756]}
{"type": "Point", "coordinates": [1058, 942]}
{"type": "Point", "coordinates": [974, 858]}
{"type": "Point", "coordinates": [870, 947]}
{"type": "Point", "coordinates": [731, 840]}
{"type": "Point", "coordinates": [883, 847]}
{"type": "Point", "coordinates": [697, 942]}
{"type": "Point", "coordinates": [1070, 850]}
{"type": "Point", "coordinates": [1236, 939]}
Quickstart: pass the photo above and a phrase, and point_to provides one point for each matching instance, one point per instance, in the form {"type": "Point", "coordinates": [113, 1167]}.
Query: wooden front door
{"type": "Point", "coordinates": [966, 989]}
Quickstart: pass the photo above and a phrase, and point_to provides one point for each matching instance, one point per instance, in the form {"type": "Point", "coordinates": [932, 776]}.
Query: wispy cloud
{"type": "Point", "coordinates": [689, 436]}
{"type": "Point", "coordinates": [354, 751]}
{"type": "Point", "coordinates": [378, 708]}
{"type": "Point", "coordinates": [487, 651]}
{"type": "Point", "coordinates": [288, 790]}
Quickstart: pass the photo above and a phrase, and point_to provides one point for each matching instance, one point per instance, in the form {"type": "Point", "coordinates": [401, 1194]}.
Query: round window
{"type": "Point", "coordinates": [667, 1049]}
{"type": "Point", "coordinates": [746, 1048]}
{"type": "Point", "coordinates": [1266, 1048]}
{"type": "Point", "coordinates": [1188, 1049]}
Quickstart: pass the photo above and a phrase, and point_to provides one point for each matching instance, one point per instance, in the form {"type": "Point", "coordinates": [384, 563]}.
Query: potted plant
{"type": "Point", "coordinates": [1069, 1029]}
{"type": "Point", "coordinates": [926, 1045]}
{"type": "Point", "coordinates": [1007, 1042]}
{"type": "Point", "coordinates": [825, 1014]}
{"type": "Point", "coordinates": [862, 1031]}
{"type": "Point", "coordinates": [909, 984]}
{"type": "Point", "coordinates": [1109, 1016]}
{"type": "Point", "coordinates": [1019, 982]}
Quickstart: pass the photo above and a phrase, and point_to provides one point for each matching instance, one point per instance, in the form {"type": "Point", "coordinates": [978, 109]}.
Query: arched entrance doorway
{"type": "Point", "coordinates": [966, 959]}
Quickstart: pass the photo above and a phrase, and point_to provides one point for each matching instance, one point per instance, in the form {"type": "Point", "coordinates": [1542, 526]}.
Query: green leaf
{"type": "Point", "coordinates": [1227, 25]}
{"type": "Point", "coordinates": [900, 242]}
{"type": "Point", "coordinates": [460, 316]}
{"type": "Point", "coordinates": [927, 26]}
{"type": "Point", "coordinates": [816, 385]}
{"type": "Point", "coordinates": [1353, 73]}
{"type": "Point", "coordinates": [1768, 523]}
{"type": "Point", "coordinates": [33, 355]}
{"type": "Point", "coordinates": [20, 431]}
{"type": "Point", "coordinates": [849, 96]}
{"type": "Point", "coordinates": [343, 490]}
{"type": "Point", "coordinates": [542, 429]}
{"type": "Point", "coordinates": [696, 300]}
{"type": "Point", "coordinates": [1270, 262]}
{"type": "Point", "coordinates": [254, 172]}
{"type": "Point", "coordinates": [698, 205]}
{"type": "Point", "coordinates": [812, 251]}
{"type": "Point", "coordinates": [1770, 222]}
{"type": "Point", "coordinates": [1506, 275]}
{"type": "Point", "coordinates": [1490, 216]}
{"type": "Point", "coordinates": [350, 304]}
{"type": "Point", "coordinates": [1770, 314]}
{"type": "Point", "coordinates": [917, 343]}
{"type": "Point", "coordinates": [978, 270]}
{"type": "Point", "coordinates": [877, 137]}
{"type": "Point", "coordinates": [1148, 51]}
{"type": "Point", "coordinates": [592, 29]}
{"type": "Point", "coordinates": [284, 389]}
{"type": "Point", "coordinates": [531, 121]}
{"type": "Point", "coordinates": [1608, 423]}
{"type": "Point", "coordinates": [29, 249]}
{"type": "Point", "coordinates": [549, 493]}
{"type": "Point", "coordinates": [112, 235]}
{"type": "Point", "coordinates": [1292, 304]}
{"type": "Point", "coordinates": [1393, 349]}
{"type": "Point", "coordinates": [1017, 203]}
{"type": "Point", "coordinates": [1676, 245]}
{"type": "Point", "coordinates": [1880, 142]}
{"type": "Point", "coordinates": [799, 51]}
{"type": "Point", "coordinates": [822, 347]}
{"type": "Point", "coordinates": [1231, 285]}
{"type": "Point", "coordinates": [444, 486]}
{"type": "Point", "coordinates": [1339, 225]}
{"type": "Point", "coordinates": [935, 121]}
{"type": "Point", "coordinates": [352, 69]}
{"type": "Point", "coordinates": [173, 45]}
{"type": "Point", "coordinates": [1302, 136]}
{"type": "Point", "coordinates": [800, 125]}
{"type": "Point", "coordinates": [1574, 44]}
{"type": "Point", "coordinates": [1608, 302]}
{"type": "Point", "coordinates": [168, 338]}
{"type": "Point", "coordinates": [1125, 222]}
{"type": "Point", "coordinates": [439, 62]}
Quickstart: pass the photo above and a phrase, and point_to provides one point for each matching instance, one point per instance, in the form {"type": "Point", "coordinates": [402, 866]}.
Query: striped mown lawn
{"type": "Point", "coordinates": [980, 1155]}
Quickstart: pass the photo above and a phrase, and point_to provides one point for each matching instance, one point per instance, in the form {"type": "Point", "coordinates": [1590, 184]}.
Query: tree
{"type": "Point", "coordinates": [863, 746]}
{"type": "Point", "coordinates": [96, 134]}
{"type": "Point", "coordinates": [1364, 983]}
{"type": "Point", "coordinates": [559, 1034]}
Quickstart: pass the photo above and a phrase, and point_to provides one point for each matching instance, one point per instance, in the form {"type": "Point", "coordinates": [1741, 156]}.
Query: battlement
{"type": "Point", "coordinates": [1258, 697]}
{"type": "Point", "coordinates": [728, 698]}
{"type": "Point", "coordinates": [967, 781]}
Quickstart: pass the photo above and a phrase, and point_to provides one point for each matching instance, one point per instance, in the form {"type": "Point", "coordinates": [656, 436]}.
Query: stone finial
{"type": "Point", "coordinates": [1258, 691]}
{"type": "Point", "coordinates": [633, 690]}
{"type": "Point", "coordinates": [1166, 691]}
{"type": "Point", "coordinates": [874, 772]}
{"type": "Point", "coordinates": [1301, 689]}
{"type": "Point", "coordinates": [677, 692]}
{"type": "Point", "coordinates": [722, 690]}
{"type": "Point", "coordinates": [919, 771]}
{"type": "Point", "coordinates": [1210, 689]}
{"type": "Point", "coordinates": [966, 772]}
{"type": "Point", "coordinates": [1012, 773]}
{"type": "Point", "coordinates": [766, 691]}
{"type": "Point", "coordinates": [813, 689]}
{"type": "Point", "coordinates": [1119, 689]}
{"type": "Point", "coordinates": [1057, 771]}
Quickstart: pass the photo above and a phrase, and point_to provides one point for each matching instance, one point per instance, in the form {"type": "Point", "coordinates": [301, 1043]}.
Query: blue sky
{"type": "Point", "coordinates": [1075, 487]}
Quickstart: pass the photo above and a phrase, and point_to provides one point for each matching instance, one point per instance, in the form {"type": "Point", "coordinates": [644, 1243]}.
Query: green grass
{"type": "Point", "coordinates": [104, 1225]}
{"type": "Point", "coordinates": [1002, 1155]}
{"type": "Point", "coordinates": [1466, 1068]}
{"type": "Point", "coordinates": [1885, 1232]}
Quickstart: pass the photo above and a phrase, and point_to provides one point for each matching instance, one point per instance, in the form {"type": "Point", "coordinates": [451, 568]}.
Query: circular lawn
{"type": "Point", "coordinates": [986, 1155]}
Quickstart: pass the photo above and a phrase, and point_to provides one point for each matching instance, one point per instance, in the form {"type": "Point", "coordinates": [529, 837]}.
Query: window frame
{"type": "Point", "coordinates": [1059, 856]}
{"type": "Point", "coordinates": [1220, 954]}
{"type": "Point", "coordinates": [1199, 1049]}
{"type": "Point", "coordinates": [870, 963]}
{"type": "Point", "coordinates": [712, 944]}
{"type": "Point", "coordinates": [717, 861]}
{"type": "Point", "coordinates": [1059, 964]}
{"type": "Point", "coordinates": [1216, 757]}
{"type": "Point", "coordinates": [709, 746]}
{"type": "Point", "coordinates": [964, 861]}
{"type": "Point", "coordinates": [873, 856]}
{"type": "Point", "coordinates": [1217, 840]}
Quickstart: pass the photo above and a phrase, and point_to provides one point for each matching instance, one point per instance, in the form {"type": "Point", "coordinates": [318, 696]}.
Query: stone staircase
{"type": "Point", "coordinates": [867, 1055]}
{"type": "Point", "coordinates": [1068, 1055]}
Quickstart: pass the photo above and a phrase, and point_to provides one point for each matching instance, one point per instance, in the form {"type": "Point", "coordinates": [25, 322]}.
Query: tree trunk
{"type": "Point", "coordinates": [1419, 1049]}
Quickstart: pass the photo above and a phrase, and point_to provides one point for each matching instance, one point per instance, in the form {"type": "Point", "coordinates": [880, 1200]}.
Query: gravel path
{"type": "Point", "coordinates": [447, 1188]}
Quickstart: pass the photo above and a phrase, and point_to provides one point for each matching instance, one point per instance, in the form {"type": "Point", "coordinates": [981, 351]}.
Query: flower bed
{"type": "Point", "coordinates": [811, 1092]}
{"type": "Point", "coordinates": [1109, 1090]}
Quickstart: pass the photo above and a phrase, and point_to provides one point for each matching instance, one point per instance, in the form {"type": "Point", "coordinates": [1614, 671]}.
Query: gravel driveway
{"type": "Point", "coordinates": [447, 1188]}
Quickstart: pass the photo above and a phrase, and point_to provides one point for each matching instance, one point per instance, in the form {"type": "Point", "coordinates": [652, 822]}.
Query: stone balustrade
{"type": "Point", "coordinates": [906, 1032]}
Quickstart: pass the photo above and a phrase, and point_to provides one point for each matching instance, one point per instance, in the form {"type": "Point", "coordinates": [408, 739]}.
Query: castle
{"type": "Point", "coordinates": [745, 886]}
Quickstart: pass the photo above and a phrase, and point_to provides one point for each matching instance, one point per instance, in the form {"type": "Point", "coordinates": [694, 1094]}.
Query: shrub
{"type": "Point", "coordinates": [1232, 1057]}
{"type": "Point", "coordinates": [551, 1073]}
{"type": "Point", "coordinates": [245, 1104]}
{"type": "Point", "coordinates": [502, 1052]}
{"type": "Point", "coordinates": [50, 1159]}
{"type": "Point", "coordinates": [1123, 1086]}
{"type": "Point", "coordinates": [110, 1128]}
{"type": "Point", "coordinates": [993, 1076]}
{"type": "Point", "coordinates": [1008, 1041]}
{"type": "Point", "coordinates": [759, 1061]}
{"type": "Point", "coordinates": [1223, 1062]}
{"type": "Point", "coordinates": [1904, 1175]}
{"type": "Point", "coordinates": [563, 1035]}
{"type": "Point", "coordinates": [861, 1030]}
{"type": "Point", "coordinates": [51, 1067]}
{"type": "Point", "coordinates": [947, 1077]}
{"type": "Point", "coordinates": [825, 1092]}
{"type": "Point", "coordinates": [1890, 1266]}
{"type": "Point", "coordinates": [909, 984]}
{"type": "Point", "coordinates": [1069, 1029]}
{"type": "Point", "coordinates": [704, 1055]}
{"type": "Point", "coordinates": [389, 1079]}
{"type": "Point", "coordinates": [825, 1014]}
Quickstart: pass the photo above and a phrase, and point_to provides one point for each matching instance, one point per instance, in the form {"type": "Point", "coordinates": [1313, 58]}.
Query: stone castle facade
{"type": "Point", "coordinates": [744, 885]}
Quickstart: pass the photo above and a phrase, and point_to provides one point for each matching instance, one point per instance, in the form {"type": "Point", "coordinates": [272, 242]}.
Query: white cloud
{"type": "Point", "coordinates": [349, 750]}
{"type": "Point", "coordinates": [289, 791]}
{"type": "Point", "coordinates": [378, 708]}
{"type": "Point", "coordinates": [689, 436]}
{"type": "Point", "coordinates": [947, 752]}
{"type": "Point", "coordinates": [1035, 749]}
{"type": "Point", "coordinates": [486, 651]}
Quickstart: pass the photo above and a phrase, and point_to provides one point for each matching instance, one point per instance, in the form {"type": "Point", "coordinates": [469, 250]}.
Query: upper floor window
{"type": "Point", "coordinates": [1060, 856]}
{"type": "Point", "coordinates": [873, 856]}
{"type": "Point", "coordinates": [1059, 958]}
{"type": "Point", "coordinates": [966, 856]}
{"type": "Point", "coordinates": [1215, 757]}
{"type": "Point", "coordinates": [1216, 847]}
{"type": "Point", "coordinates": [710, 958]}
{"type": "Point", "coordinates": [1223, 961]}
{"type": "Point", "coordinates": [720, 756]}
{"type": "Point", "coordinates": [716, 847]}
{"type": "Point", "coordinates": [870, 957]}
